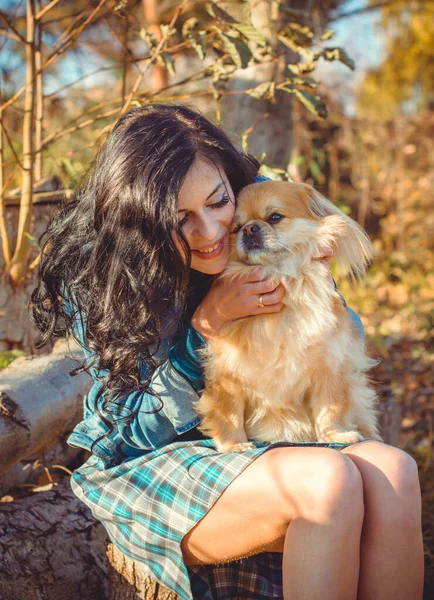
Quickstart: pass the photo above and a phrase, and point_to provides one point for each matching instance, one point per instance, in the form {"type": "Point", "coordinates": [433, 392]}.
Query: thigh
{"type": "Point", "coordinates": [253, 513]}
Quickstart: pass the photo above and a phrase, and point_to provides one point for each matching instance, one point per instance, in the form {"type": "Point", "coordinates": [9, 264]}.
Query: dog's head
{"type": "Point", "coordinates": [285, 225]}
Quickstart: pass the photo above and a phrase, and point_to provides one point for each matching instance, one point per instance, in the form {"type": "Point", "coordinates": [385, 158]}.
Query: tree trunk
{"type": "Point", "coordinates": [129, 581]}
{"type": "Point", "coordinates": [240, 111]}
{"type": "Point", "coordinates": [51, 548]}
{"type": "Point", "coordinates": [18, 267]}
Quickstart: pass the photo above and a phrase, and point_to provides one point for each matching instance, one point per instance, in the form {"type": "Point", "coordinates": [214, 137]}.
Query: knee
{"type": "Point", "coordinates": [336, 492]}
{"type": "Point", "coordinates": [403, 472]}
{"type": "Point", "coordinates": [328, 490]}
{"type": "Point", "coordinates": [403, 476]}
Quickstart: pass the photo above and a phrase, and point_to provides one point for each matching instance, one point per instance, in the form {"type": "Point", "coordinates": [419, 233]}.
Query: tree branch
{"type": "Point", "coordinates": [49, 6]}
{"type": "Point", "coordinates": [11, 27]}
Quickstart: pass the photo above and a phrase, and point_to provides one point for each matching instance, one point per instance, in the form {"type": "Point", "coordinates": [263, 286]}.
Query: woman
{"type": "Point", "coordinates": [128, 267]}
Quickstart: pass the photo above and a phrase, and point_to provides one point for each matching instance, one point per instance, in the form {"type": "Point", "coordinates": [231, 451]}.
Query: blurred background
{"type": "Point", "coordinates": [339, 94]}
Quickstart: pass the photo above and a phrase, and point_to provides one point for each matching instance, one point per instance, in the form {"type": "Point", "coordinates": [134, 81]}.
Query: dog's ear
{"type": "Point", "coordinates": [352, 248]}
{"type": "Point", "coordinates": [320, 206]}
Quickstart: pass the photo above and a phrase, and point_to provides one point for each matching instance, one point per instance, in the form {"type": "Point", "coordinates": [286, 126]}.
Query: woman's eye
{"type": "Point", "coordinates": [183, 221]}
{"type": "Point", "coordinates": [221, 202]}
{"type": "Point", "coordinates": [275, 218]}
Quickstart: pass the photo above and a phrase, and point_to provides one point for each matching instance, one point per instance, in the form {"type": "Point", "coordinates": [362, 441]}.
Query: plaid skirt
{"type": "Point", "coordinates": [147, 505]}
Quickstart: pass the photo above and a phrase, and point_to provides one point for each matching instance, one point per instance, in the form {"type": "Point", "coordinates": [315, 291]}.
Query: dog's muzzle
{"type": "Point", "coordinates": [252, 237]}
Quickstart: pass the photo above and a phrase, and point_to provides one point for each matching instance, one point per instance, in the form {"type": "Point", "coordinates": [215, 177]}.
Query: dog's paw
{"type": "Point", "coordinates": [231, 447]}
{"type": "Point", "coordinates": [342, 437]}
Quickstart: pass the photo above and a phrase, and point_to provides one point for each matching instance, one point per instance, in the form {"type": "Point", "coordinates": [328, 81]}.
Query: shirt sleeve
{"type": "Point", "coordinates": [160, 415]}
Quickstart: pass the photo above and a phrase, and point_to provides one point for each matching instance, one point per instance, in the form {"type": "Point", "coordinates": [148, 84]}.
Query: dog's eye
{"type": "Point", "coordinates": [235, 228]}
{"type": "Point", "coordinates": [274, 218]}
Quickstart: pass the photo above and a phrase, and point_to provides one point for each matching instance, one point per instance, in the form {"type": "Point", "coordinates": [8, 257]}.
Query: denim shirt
{"type": "Point", "coordinates": [178, 379]}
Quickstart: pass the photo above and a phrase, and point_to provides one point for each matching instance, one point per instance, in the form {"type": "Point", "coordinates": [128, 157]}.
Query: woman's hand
{"type": "Point", "coordinates": [226, 302]}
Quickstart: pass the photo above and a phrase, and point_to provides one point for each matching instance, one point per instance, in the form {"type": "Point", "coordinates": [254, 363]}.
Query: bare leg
{"type": "Point", "coordinates": [321, 556]}
{"type": "Point", "coordinates": [391, 563]}
{"type": "Point", "coordinates": [318, 492]}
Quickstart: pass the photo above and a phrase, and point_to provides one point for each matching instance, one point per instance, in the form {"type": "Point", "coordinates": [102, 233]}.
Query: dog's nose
{"type": "Point", "coordinates": [252, 236]}
{"type": "Point", "coordinates": [250, 230]}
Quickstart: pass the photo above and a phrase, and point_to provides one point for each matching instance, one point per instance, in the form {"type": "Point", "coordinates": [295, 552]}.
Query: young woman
{"type": "Point", "coordinates": [128, 268]}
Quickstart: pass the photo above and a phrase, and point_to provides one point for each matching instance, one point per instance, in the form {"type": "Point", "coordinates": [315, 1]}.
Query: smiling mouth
{"type": "Point", "coordinates": [212, 251]}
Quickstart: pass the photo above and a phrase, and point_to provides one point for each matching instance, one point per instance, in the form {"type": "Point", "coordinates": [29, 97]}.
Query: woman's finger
{"type": "Point", "coordinates": [270, 308]}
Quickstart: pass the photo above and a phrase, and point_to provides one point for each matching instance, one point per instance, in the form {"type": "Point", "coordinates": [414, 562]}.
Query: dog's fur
{"type": "Point", "coordinates": [298, 374]}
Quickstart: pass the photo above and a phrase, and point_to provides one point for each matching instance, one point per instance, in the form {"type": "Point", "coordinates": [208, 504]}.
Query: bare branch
{"type": "Point", "coordinates": [161, 43]}
{"type": "Point", "coordinates": [3, 128]}
{"type": "Point", "coordinates": [49, 6]}
{"type": "Point", "coordinates": [10, 35]}
{"type": "Point", "coordinates": [56, 54]}
{"type": "Point", "coordinates": [5, 242]}
{"type": "Point", "coordinates": [39, 97]}
{"type": "Point", "coordinates": [11, 27]}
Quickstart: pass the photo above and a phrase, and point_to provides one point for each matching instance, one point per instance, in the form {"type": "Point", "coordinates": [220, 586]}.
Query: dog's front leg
{"type": "Point", "coordinates": [223, 420]}
{"type": "Point", "coordinates": [331, 406]}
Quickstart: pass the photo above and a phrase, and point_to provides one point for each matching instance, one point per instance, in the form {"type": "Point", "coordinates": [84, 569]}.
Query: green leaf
{"type": "Point", "coordinates": [238, 50]}
{"type": "Point", "coordinates": [9, 356]}
{"type": "Point", "coordinates": [297, 160]}
{"type": "Point", "coordinates": [327, 35]}
{"type": "Point", "coordinates": [250, 33]}
{"type": "Point", "coordinates": [149, 38]}
{"type": "Point", "coordinates": [274, 174]}
{"type": "Point", "coordinates": [303, 67]}
{"type": "Point", "coordinates": [315, 170]}
{"type": "Point", "coordinates": [167, 61]}
{"type": "Point", "coordinates": [313, 103]}
{"type": "Point", "coordinates": [198, 43]}
{"type": "Point", "coordinates": [340, 54]}
{"type": "Point", "coordinates": [33, 241]}
{"type": "Point", "coordinates": [301, 34]}
{"type": "Point", "coordinates": [167, 31]}
{"type": "Point", "coordinates": [263, 90]}
{"type": "Point", "coordinates": [290, 43]}
{"type": "Point", "coordinates": [189, 25]}
{"type": "Point", "coordinates": [309, 82]}
{"type": "Point", "coordinates": [245, 142]}
{"type": "Point", "coordinates": [210, 9]}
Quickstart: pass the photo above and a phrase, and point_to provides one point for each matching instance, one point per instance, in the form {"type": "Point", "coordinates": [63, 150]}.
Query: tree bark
{"type": "Point", "coordinates": [51, 548]}
{"type": "Point", "coordinates": [128, 580]}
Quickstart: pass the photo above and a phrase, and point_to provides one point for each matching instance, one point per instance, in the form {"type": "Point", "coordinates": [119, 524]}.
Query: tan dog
{"type": "Point", "coordinates": [299, 374]}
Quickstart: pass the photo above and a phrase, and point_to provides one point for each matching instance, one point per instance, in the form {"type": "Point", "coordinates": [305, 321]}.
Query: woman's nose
{"type": "Point", "coordinates": [206, 228]}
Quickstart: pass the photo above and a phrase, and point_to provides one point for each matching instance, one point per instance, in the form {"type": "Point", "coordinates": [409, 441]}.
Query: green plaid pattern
{"type": "Point", "coordinates": [148, 503]}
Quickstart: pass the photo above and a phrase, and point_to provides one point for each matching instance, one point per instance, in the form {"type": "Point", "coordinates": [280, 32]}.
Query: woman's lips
{"type": "Point", "coordinates": [213, 254]}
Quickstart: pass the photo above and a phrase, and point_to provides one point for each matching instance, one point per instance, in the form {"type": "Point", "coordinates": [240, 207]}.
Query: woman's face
{"type": "Point", "coordinates": [206, 207]}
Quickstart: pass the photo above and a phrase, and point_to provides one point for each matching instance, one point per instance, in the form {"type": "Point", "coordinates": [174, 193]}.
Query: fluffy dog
{"type": "Point", "coordinates": [299, 374]}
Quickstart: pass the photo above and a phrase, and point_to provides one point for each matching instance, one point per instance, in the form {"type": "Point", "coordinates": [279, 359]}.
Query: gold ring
{"type": "Point", "coordinates": [261, 304]}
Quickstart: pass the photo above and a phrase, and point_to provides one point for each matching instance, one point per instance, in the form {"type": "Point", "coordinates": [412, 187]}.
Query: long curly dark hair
{"type": "Point", "coordinates": [109, 251]}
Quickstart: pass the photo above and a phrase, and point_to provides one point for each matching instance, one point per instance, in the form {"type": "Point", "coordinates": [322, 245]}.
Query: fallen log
{"type": "Point", "coordinates": [40, 402]}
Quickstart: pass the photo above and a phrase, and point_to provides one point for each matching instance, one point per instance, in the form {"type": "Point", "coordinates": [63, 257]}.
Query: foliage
{"type": "Point", "coordinates": [404, 81]}
{"type": "Point", "coordinates": [216, 39]}
{"type": "Point", "coordinates": [9, 356]}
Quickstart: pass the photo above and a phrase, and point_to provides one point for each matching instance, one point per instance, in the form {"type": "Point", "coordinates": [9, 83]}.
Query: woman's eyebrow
{"type": "Point", "coordinates": [218, 186]}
